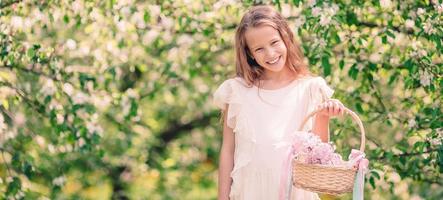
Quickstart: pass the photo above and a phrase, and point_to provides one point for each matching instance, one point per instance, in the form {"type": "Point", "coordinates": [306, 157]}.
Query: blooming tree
{"type": "Point", "coordinates": [111, 99]}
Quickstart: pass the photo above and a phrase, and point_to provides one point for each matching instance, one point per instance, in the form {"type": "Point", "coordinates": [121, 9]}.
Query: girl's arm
{"type": "Point", "coordinates": [321, 127]}
{"type": "Point", "coordinates": [330, 108]}
{"type": "Point", "coordinates": [226, 163]}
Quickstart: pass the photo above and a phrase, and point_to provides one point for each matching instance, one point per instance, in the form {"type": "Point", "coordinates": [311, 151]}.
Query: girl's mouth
{"type": "Point", "coordinates": [275, 61]}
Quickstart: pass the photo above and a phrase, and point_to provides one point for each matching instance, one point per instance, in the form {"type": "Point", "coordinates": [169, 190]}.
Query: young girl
{"type": "Point", "coordinates": [264, 105]}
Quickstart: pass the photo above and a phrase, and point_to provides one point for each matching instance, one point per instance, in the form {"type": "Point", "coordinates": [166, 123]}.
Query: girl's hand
{"type": "Point", "coordinates": [331, 108]}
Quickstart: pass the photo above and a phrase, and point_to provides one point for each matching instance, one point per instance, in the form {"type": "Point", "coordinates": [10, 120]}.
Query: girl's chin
{"type": "Point", "coordinates": [275, 68]}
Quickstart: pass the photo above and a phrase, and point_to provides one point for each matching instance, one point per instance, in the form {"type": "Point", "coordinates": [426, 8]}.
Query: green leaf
{"type": "Point", "coordinates": [31, 52]}
{"type": "Point", "coordinates": [384, 39]}
{"type": "Point", "coordinates": [326, 65]}
{"type": "Point", "coordinates": [390, 34]}
{"type": "Point", "coordinates": [14, 186]}
{"type": "Point", "coordinates": [359, 107]}
{"type": "Point", "coordinates": [341, 64]}
{"type": "Point", "coordinates": [351, 17]}
{"type": "Point", "coordinates": [353, 71]}
{"type": "Point", "coordinates": [375, 174]}
{"type": "Point", "coordinates": [146, 16]}
{"type": "Point", "coordinates": [16, 163]}
{"type": "Point", "coordinates": [372, 182]}
{"type": "Point", "coordinates": [296, 2]}
{"type": "Point", "coordinates": [27, 169]}
{"type": "Point", "coordinates": [66, 19]}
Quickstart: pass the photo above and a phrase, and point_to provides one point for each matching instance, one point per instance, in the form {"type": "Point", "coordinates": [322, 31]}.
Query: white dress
{"type": "Point", "coordinates": [263, 122]}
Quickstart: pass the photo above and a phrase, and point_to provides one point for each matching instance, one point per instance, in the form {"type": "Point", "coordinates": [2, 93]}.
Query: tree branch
{"type": "Point", "coordinates": [175, 131]}
{"type": "Point", "coordinates": [33, 72]}
{"type": "Point", "coordinates": [6, 4]}
{"type": "Point", "coordinates": [407, 154]}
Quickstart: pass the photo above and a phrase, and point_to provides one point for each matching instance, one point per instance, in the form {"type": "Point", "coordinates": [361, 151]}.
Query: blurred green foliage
{"type": "Point", "coordinates": [112, 99]}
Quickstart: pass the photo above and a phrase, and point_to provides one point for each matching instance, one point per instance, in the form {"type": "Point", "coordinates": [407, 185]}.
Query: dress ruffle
{"type": "Point", "coordinates": [231, 92]}
{"type": "Point", "coordinates": [319, 92]}
{"type": "Point", "coordinates": [228, 94]}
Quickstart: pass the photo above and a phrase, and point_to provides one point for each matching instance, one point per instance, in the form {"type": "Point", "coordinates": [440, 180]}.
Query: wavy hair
{"type": "Point", "coordinates": [264, 15]}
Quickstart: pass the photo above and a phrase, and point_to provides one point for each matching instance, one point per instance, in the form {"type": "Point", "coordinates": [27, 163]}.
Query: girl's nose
{"type": "Point", "coordinates": [270, 53]}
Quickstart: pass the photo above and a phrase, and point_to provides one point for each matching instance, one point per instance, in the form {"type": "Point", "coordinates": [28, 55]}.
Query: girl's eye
{"type": "Point", "coordinates": [275, 42]}
{"type": "Point", "coordinates": [259, 49]}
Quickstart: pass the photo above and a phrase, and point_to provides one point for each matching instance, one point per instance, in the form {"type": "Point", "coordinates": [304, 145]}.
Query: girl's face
{"type": "Point", "coordinates": [266, 47]}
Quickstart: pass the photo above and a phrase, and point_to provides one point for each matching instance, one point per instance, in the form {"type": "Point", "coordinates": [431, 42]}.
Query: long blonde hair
{"type": "Point", "coordinates": [246, 67]}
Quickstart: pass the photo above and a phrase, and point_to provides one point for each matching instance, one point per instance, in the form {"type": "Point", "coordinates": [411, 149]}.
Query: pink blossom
{"type": "Point", "coordinates": [311, 150]}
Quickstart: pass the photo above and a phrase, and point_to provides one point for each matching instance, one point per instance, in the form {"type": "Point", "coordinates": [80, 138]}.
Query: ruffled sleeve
{"type": "Point", "coordinates": [222, 95]}
{"type": "Point", "coordinates": [319, 92]}
{"type": "Point", "coordinates": [228, 94]}
{"type": "Point", "coordinates": [231, 92]}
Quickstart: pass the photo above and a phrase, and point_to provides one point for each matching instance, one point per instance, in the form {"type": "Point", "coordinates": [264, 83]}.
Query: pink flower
{"type": "Point", "coordinates": [311, 150]}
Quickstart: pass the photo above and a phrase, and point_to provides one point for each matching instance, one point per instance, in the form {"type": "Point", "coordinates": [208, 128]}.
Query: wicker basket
{"type": "Point", "coordinates": [318, 178]}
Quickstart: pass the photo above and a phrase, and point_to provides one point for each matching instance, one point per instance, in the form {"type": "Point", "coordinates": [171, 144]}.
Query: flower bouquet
{"type": "Point", "coordinates": [314, 166]}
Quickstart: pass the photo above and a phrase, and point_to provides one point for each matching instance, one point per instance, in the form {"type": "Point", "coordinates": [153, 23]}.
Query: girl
{"type": "Point", "coordinates": [264, 104]}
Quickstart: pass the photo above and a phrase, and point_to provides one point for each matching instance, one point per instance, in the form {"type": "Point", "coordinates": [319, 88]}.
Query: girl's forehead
{"type": "Point", "coordinates": [260, 35]}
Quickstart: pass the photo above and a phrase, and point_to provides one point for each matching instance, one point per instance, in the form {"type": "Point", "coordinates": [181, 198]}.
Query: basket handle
{"type": "Point", "coordinates": [347, 111]}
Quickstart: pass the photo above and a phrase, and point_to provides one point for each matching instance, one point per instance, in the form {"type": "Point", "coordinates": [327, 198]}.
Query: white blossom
{"type": "Point", "coordinates": [222, 3]}
{"type": "Point", "coordinates": [286, 10]}
{"type": "Point", "coordinates": [385, 3]}
{"type": "Point", "coordinates": [375, 57]}
{"type": "Point", "coordinates": [122, 25]}
{"type": "Point", "coordinates": [316, 11]}
{"type": "Point", "coordinates": [48, 88]}
{"type": "Point", "coordinates": [327, 13]}
{"type": "Point", "coordinates": [409, 23]}
{"type": "Point", "coordinates": [60, 118]}
{"type": "Point", "coordinates": [77, 6]}
{"type": "Point", "coordinates": [154, 10]}
{"type": "Point", "coordinates": [325, 20]}
{"type": "Point", "coordinates": [132, 93]}
{"type": "Point", "coordinates": [40, 140]}
{"type": "Point", "coordinates": [311, 3]}
{"type": "Point", "coordinates": [68, 89]}
{"type": "Point", "coordinates": [51, 148]}
{"type": "Point", "coordinates": [439, 8]}
{"type": "Point", "coordinates": [59, 181]}
{"type": "Point", "coordinates": [428, 27]}
{"type": "Point", "coordinates": [150, 36]}
{"type": "Point", "coordinates": [436, 141]}
{"type": "Point", "coordinates": [167, 22]}
{"type": "Point", "coordinates": [19, 119]}
{"type": "Point", "coordinates": [331, 10]}
{"type": "Point", "coordinates": [394, 61]}
{"type": "Point", "coordinates": [80, 98]}
{"type": "Point", "coordinates": [416, 45]}
{"type": "Point", "coordinates": [420, 11]}
{"type": "Point", "coordinates": [299, 21]}
{"type": "Point", "coordinates": [94, 128]}
{"type": "Point", "coordinates": [20, 194]}
{"type": "Point", "coordinates": [411, 123]}
{"type": "Point", "coordinates": [81, 142]}
{"type": "Point", "coordinates": [17, 22]}
{"type": "Point", "coordinates": [422, 53]}
{"type": "Point", "coordinates": [2, 123]}
{"type": "Point", "coordinates": [425, 78]}
{"type": "Point", "coordinates": [71, 44]}
{"type": "Point", "coordinates": [184, 40]}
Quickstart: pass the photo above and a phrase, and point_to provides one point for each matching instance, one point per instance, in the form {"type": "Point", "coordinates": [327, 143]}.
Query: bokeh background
{"type": "Point", "coordinates": [112, 99]}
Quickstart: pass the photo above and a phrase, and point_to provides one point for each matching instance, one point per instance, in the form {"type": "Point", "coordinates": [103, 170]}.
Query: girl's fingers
{"type": "Point", "coordinates": [336, 108]}
{"type": "Point", "coordinates": [330, 107]}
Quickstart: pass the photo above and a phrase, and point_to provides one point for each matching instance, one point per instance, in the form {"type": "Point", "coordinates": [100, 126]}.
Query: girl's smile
{"type": "Point", "coordinates": [266, 47]}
